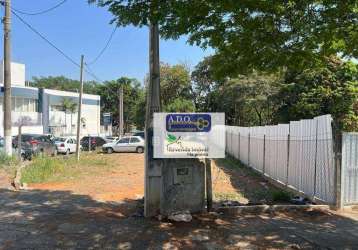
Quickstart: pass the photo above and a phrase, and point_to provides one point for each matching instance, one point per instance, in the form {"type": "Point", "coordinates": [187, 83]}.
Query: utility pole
{"type": "Point", "coordinates": [120, 111]}
{"type": "Point", "coordinates": [153, 167]}
{"type": "Point", "coordinates": [80, 113]}
{"type": "Point", "coordinates": [7, 79]}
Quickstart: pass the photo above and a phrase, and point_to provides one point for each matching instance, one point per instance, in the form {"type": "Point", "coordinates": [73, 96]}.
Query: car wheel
{"type": "Point", "coordinates": [109, 150]}
{"type": "Point", "coordinates": [140, 150]}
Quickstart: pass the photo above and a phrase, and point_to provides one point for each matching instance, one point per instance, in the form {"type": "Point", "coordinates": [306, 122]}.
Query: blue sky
{"type": "Point", "coordinates": [78, 28]}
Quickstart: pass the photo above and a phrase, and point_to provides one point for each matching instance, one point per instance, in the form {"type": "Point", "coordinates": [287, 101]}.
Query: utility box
{"type": "Point", "coordinates": [183, 186]}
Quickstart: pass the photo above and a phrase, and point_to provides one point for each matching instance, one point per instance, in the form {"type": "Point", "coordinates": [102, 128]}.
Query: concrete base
{"type": "Point", "coordinates": [183, 186]}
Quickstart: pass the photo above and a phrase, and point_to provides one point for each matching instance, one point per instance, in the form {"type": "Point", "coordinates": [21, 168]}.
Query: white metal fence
{"type": "Point", "coordinates": [299, 154]}
{"type": "Point", "coordinates": [349, 175]}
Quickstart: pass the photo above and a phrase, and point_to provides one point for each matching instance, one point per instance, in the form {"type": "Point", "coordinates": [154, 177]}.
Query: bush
{"type": "Point", "coordinates": [280, 195]}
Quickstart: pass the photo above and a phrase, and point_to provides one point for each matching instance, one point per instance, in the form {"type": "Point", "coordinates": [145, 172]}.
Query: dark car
{"type": "Point", "coordinates": [95, 141]}
{"type": "Point", "coordinates": [36, 144]}
{"type": "Point", "coordinates": [139, 133]}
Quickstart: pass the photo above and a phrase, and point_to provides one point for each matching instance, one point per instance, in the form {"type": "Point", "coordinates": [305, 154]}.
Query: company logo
{"type": "Point", "coordinates": [188, 122]}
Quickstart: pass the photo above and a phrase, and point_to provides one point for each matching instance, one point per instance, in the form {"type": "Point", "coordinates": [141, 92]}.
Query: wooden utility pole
{"type": "Point", "coordinates": [7, 79]}
{"type": "Point", "coordinates": [153, 167]}
{"type": "Point", "coordinates": [80, 113]}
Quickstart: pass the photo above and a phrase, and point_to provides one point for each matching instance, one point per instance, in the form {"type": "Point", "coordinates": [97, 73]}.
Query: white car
{"type": "Point", "coordinates": [125, 144]}
{"type": "Point", "coordinates": [65, 145]}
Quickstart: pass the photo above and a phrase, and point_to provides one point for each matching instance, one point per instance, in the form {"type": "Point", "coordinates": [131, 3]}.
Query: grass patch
{"type": "Point", "coordinates": [54, 169]}
{"type": "Point", "coordinates": [8, 163]}
{"type": "Point", "coordinates": [217, 197]}
{"type": "Point", "coordinates": [233, 163]}
{"type": "Point", "coordinates": [281, 196]}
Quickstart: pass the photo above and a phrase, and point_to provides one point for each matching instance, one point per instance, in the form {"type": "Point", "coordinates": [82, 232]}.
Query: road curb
{"type": "Point", "coordinates": [256, 209]}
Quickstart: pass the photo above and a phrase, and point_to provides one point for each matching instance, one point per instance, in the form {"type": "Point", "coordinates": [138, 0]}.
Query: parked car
{"type": "Point", "coordinates": [25, 153]}
{"type": "Point", "coordinates": [139, 133]}
{"type": "Point", "coordinates": [37, 144]}
{"type": "Point", "coordinates": [111, 138]}
{"type": "Point", "coordinates": [95, 141]}
{"type": "Point", "coordinates": [65, 145]}
{"type": "Point", "coordinates": [125, 144]}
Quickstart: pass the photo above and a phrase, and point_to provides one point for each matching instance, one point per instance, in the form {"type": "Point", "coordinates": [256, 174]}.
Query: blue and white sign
{"type": "Point", "coordinates": [188, 122]}
{"type": "Point", "coordinates": [189, 135]}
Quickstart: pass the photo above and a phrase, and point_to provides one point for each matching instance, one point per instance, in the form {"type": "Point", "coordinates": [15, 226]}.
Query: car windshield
{"type": "Point", "coordinates": [60, 139]}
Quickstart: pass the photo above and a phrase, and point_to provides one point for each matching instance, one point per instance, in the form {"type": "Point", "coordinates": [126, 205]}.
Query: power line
{"type": "Point", "coordinates": [104, 48]}
{"type": "Point", "coordinates": [89, 71]}
{"type": "Point", "coordinates": [40, 12]}
{"type": "Point", "coordinates": [53, 45]}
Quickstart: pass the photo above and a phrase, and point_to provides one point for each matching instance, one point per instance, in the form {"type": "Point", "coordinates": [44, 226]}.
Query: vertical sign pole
{"type": "Point", "coordinates": [152, 166]}
{"type": "Point", "coordinates": [80, 113]}
{"type": "Point", "coordinates": [7, 80]}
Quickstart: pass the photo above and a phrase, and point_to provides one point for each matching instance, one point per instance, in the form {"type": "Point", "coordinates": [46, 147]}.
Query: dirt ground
{"type": "Point", "coordinates": [101, 212]}
{"type": "Point", "coordinates": [125, 180]}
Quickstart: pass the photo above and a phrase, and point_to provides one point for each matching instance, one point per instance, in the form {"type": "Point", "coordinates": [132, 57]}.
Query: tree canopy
{"type": "Point", "coordinates": [63, 83]}
{"type": "Point", "coordinates": [246, 35]}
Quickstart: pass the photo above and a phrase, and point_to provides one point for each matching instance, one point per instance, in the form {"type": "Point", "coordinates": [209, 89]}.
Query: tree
{"type": "Point", "coordinates": [246, 100]}
{"type": "Point", "coordinates": [330, 89]}
{"type": "Point", "coordinates": [132, 92]}
{"type": "Point", "coordinates": [246, 35]}
{"type": "Point", "coordinates": [63, 83]}
{"type": "Point", "coordinates": [176, 88]}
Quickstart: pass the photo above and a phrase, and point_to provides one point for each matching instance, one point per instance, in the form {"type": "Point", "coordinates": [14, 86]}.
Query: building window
{"type": "Point", "coordinates": [21, 104]}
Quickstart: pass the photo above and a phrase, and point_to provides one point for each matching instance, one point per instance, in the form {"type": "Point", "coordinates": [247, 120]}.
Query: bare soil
{"type": "Point", "coordinates": [123, 180]}
{"type": "Point", "coordinates": [98, 210]}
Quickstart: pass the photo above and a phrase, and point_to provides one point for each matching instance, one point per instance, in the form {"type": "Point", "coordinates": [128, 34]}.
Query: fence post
{"type": "Point", "coordinates": [264, 156]}
{"type": "Point", "coordinates": [231, 148]}
{"type": "Point", "coordinates": [248, 153]}
{"type": "Point", "coordinates": [315, 163]}
{"type": "Point", "coordinates": [238, 155]}
{"type": "Point", "coordinates": [337, 147]}
{"type": "Point", "coordinates": [288, 158]}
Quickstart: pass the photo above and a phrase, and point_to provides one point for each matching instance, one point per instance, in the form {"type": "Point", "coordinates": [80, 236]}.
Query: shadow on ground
{"type": "Point", "coordinates": [59, 219]}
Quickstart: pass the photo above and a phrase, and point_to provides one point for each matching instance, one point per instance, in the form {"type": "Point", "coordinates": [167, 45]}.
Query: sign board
{"type": "Point", "coordinates": [107, 119]}
{"type": "Point", "coordinates": [189, 135]}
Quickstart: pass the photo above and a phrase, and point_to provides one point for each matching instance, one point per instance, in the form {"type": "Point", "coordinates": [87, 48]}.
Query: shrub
{"type": "Point", "coordinates": [281, 196]}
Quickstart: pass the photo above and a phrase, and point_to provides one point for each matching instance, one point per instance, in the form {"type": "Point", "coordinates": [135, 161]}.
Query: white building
{"type": "Point", "coordinates": [41, 110]}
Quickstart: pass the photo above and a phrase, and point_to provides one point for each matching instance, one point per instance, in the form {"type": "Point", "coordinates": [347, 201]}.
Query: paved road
{"type": "Point", "coordinates": [40, 219]}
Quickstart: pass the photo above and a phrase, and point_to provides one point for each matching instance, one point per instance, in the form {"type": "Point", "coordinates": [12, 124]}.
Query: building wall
{"type": "Point", "coordinates": [17, 73]}
{"type": "Point", "coordinates": [38, 108]}
{"type": "Point", "coordinates": [62, 123]}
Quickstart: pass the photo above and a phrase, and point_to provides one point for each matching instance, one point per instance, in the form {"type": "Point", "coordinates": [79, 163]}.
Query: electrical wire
{"type": "Point", "coordinates": [40, 12]}
{"type": "Point", "coordinates": [104, 48]}
{"type": "Point", "coordinates": [53, 45]}
{"type": "Point", "coordinates": [89, 71]}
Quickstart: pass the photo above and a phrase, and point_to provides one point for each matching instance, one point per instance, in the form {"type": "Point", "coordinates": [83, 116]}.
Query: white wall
{"type": "Point", "coordinates": [17, 73]}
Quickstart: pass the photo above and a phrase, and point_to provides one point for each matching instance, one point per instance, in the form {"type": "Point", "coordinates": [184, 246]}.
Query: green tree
{"type": "Point", "coordinates": [246, 100]}
{"type": "Point", "coordinates": [246, 35]}
{"type": "Point", "coordinates": [330, 89]}
{"type": "Point", "coordinates": [175, 87]}
{"type": "Point", "coordinates": [132, 92]}
{"type": "Point", "coordinates": [63, 83]}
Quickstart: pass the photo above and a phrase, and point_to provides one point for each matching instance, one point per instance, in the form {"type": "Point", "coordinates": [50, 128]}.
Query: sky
{"type": "Point", "coordinates": [78, 28]}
